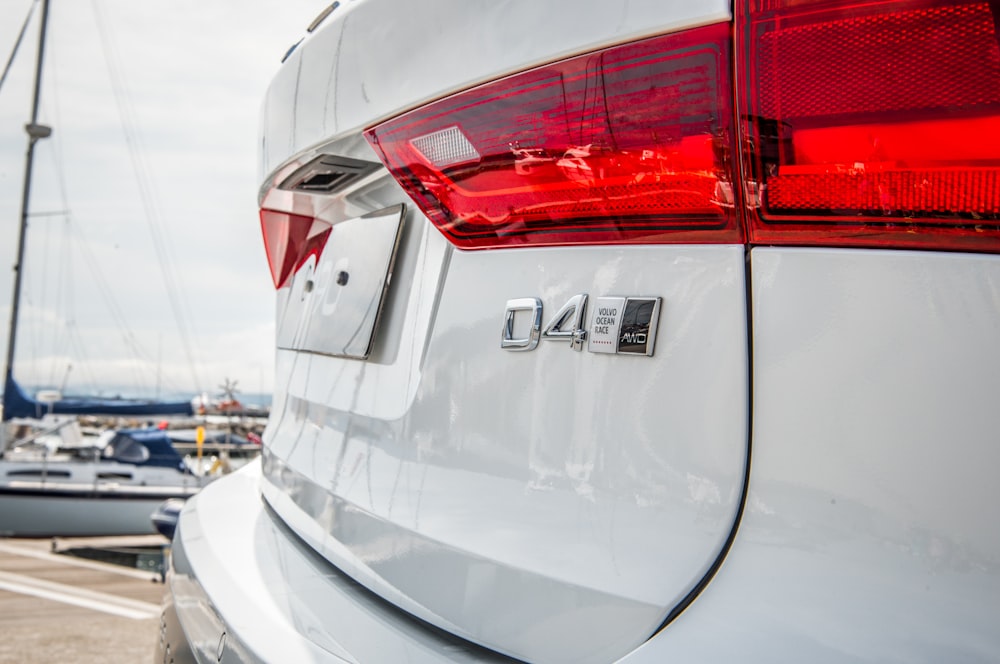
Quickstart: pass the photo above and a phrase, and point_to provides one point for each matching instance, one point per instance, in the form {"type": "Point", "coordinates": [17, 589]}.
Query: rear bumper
{"type": "Point", "coordinates": [242, 587]}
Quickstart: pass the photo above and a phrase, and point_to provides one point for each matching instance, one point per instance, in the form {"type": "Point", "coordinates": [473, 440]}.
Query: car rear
{"type": "Point", "coordinates": [631, 332]}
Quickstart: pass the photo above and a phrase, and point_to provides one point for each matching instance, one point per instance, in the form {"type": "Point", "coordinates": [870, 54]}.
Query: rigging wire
{"type": "Point", "coordinates": [76, 350]}
{"type": "Point", "coordinates": [62, 328]}
{"type": "Point", "coordinates": [55, 146]}
{"type": "Point", "coordinates": [43, 291]}
{"type": "Point", "coordinates": [106, 293]}
{"type": "Point", "coordinates": [17, 44]}
{"type": "Point", "coordinates": [146, 191]}
{"type": "Point", "coordinates": [71, 337]}
{"type": "Point", "coordinates": [63, 264]}
{"type": "Point", "coordinates": [121, 322]}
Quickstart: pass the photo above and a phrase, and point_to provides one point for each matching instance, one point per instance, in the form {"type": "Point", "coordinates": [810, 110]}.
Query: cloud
{"type": "Point", "coordinates": [196, 73]}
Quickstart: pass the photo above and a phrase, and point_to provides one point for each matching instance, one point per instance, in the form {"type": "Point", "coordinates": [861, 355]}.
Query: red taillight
{"type": "Point", "coordinates": [629, 144]}
{"type": "Point", "coordinates": [873, 124]}
{"type": "Point", "coordinates": [861, 123]}
{"type": "Point", "coordinates": [289, 240]}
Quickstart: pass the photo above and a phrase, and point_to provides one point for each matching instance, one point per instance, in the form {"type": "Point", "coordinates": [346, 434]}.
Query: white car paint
{"type": "Point", "coordinates": [868, 534]}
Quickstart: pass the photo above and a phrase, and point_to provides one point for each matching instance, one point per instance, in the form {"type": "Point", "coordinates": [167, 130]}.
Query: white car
{"type": "Point", "coordinates": [714, 379]}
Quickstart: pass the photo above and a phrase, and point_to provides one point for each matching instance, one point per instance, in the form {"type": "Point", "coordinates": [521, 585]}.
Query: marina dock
{"type": "Point", "coordinates": [58, 606]}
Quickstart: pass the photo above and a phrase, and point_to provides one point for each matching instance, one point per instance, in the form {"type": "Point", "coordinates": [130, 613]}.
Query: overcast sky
{"type": "Point", "coordinates": [191, 76]}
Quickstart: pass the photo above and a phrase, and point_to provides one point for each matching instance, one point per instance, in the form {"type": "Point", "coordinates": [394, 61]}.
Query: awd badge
{"type": "Point", "coordinates": [623, 325]}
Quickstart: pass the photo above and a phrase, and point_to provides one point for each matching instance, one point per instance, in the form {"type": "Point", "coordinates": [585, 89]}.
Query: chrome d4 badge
{"type": "Point", "coordinates": [617, 325]}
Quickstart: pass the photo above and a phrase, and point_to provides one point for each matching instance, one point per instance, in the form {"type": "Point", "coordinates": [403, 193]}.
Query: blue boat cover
{"type": "Point", "coordinates": [144, 447]}
{"type": "Point", "coordinates": [18, 404]}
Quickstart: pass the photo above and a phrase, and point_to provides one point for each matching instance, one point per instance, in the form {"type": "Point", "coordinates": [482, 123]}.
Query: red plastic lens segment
{"type": "Point", "coordinates": [289, 240]}
{"type": "Point", "coordinates": [625, 145]}
{"type": "Point", "coordinates": [872, 124]}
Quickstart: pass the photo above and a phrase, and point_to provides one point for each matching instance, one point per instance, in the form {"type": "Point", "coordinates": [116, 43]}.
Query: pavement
{"type": "Point", "coordinates": [60, 608]}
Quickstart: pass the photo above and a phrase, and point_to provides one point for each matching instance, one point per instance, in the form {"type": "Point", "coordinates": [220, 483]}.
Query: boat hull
{"type": "Point", "coordinates": [71, 512]}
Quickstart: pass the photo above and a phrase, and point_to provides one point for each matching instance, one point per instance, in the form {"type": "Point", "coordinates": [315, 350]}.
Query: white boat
{"type": "Point", "coordinates": [59, 483]}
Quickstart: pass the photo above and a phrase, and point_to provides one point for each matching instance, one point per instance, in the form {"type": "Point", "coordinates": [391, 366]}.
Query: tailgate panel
{"type": "Point", "coordinates": [548, 504]}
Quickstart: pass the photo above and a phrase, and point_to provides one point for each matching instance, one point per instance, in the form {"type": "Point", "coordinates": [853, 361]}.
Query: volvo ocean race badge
{"type": "Point", "coordinates": [623, 325]}
{"type": "Point", "coordinates": [605, 321]}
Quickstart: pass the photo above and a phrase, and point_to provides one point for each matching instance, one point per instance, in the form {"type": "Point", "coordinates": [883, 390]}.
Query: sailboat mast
{"type": "Point", "coordinates": [35, 132]}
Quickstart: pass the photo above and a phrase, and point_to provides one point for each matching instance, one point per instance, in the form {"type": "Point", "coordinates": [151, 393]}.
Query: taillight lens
{"type": "Point", "coordinates": [289, 240]}
{"type": "Point", "coordinates": [628, 144]}
{"type": "Point", "coordinates": [871, 123]}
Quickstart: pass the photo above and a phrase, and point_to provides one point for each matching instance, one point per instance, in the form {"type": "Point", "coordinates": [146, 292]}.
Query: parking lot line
{"type": "Point", "coordinates": [88, 599]}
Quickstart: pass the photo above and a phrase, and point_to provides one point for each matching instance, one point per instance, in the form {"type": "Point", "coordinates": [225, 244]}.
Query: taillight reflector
{"type": "Point", "coordinates": [289, 240]}
{"type": "Point", "coordinates": [628, 144]}
{"type": "Point", "coordinates": [874, 124]}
